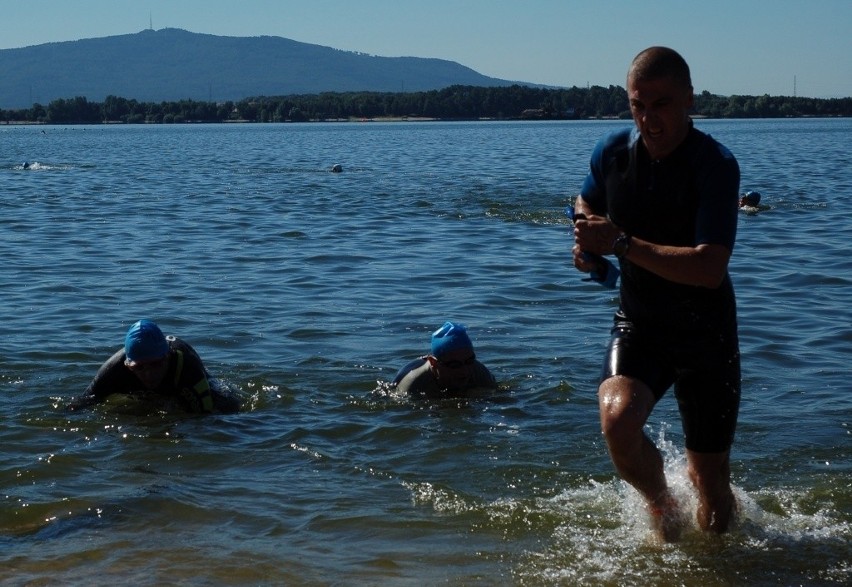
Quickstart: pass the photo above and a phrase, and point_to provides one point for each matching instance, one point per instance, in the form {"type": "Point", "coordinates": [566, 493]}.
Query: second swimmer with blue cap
{"type": "Point", "coordinates": [451, 368]}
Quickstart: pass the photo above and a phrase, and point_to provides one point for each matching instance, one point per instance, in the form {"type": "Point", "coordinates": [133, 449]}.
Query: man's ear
{"type": "Point", "coordinates": [433, 361]}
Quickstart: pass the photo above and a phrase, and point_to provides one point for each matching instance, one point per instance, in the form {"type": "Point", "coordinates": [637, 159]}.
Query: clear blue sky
{"type": "Point", "coordinates": [750, 47]}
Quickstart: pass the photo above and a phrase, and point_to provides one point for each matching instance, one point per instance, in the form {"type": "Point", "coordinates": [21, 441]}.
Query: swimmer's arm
{"type": "Point", "coordinates": [101, 387]}
{"type": "Point", "coordinates": [97, 392]}
{"type": "Point", "coordinates": [703, 266]}
{"type": "Point", "coordinates": [581, 207]}
{"type": "Point", "coordinates": [82, 401]}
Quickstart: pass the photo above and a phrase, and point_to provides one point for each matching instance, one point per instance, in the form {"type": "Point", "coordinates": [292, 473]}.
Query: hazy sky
{"type": "Point", "coordinates": [750, 47]}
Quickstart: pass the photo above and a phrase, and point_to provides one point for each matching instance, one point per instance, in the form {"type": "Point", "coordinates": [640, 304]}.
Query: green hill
{"type": "Point", "coordinates": [174, 64]}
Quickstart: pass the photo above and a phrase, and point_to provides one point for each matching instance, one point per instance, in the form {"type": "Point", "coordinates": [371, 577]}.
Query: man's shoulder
{"type": "Point", "coordinates": [178, 343]}
{"type": "Point", "coordinates": [115, 362]}
{"type": "Point", "coordinates": [704, 147]}
{"type": "Point", "coordinates": [621, 138]}
{"type": "Point", "coordinates": [112, 374]}
{"type": "Point", "coordinates": [417, 380]}
{"type": "Point", "coordinates": [484, 377]}
{"type": "Point", "coordinates": [189, 353]}
{"type": "Point", "coordinates": [612, 144]}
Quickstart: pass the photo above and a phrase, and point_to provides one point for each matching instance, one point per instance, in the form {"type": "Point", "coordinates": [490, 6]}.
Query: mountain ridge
{"type": "Point", "coordinates": [174, 64]}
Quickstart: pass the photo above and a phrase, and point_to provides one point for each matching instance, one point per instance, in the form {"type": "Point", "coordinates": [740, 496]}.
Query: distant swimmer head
{"type": "Point", "coordinates": [144, 342]}
{"type": "Point", "coordinates": [337, 168]}
{"type": "Point", "coordinates": [26, 165]}
{"type": "Point", "coordinates": [750, 198]}
{"type": "Point", "coordinates": [450, 337]}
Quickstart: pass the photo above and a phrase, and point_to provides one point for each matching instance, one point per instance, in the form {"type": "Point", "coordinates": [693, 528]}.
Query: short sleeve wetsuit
{"type": "Point", "coordinates": [420, 381]}
{"type": "Point", "coordinates": [186, 380]}
{"type": "Point", "coordinates": [664, 332]}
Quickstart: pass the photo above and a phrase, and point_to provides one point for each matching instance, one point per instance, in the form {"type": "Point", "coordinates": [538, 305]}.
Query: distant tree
{"type": "Point", "coordinates": [454, 102]}
{"type": "Point", "coordinates": [37, 113]}
{"type": "Point", "coordinates": [76, 110]}
{"type": "Point", "coordinates": [115, 108]}
{"type": "Point", "coordinates": [296, 115]}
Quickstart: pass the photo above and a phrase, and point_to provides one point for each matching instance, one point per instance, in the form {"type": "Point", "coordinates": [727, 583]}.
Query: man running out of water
{"type": "Point", "coordinates": [160, 368]}
{"type": "Point", "coordinates": [663, 198]}
{"type": "Point", "coordinates": [449, 370]}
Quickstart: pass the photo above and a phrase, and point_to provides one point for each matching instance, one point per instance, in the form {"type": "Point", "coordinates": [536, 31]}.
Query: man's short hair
{"type": "Point", "coordinates": [659, 62]}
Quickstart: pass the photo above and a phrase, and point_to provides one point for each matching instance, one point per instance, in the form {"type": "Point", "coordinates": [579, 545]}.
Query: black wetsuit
{"type": "Point", "coordinates": [417, 379]}
{"type": "Point", "coordinates": [186, 382]}
{"type": "Point", "coordinates": [667, 333]}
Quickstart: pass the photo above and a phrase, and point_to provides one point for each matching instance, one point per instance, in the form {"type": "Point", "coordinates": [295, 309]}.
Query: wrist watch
{"type": "Point", "coordinates": [621, 245]}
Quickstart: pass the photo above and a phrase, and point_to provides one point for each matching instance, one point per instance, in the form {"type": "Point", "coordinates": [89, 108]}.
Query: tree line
{"type": "Point", "coordinates": [452, 103]}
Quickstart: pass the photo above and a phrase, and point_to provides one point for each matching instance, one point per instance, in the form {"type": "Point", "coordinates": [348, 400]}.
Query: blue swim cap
{"type": "Point", "coordinates": [751, 198]}
{"type": "Point", "coordinates": [145, 341]}
{"type": "Point", "coordinates": [450, 337]}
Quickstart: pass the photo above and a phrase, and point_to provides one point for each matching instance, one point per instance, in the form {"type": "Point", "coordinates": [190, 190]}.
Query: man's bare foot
{"type": "Point", "coordinates": [667, 519]}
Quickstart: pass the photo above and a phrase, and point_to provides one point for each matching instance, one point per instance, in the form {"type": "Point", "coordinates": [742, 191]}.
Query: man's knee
{"type": "Point", "coordinates": [624, 408]}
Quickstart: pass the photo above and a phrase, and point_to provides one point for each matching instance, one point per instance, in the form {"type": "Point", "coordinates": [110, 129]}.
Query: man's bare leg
{"type": "Point", "coordinates": [625, 405]}
{"type": "Point", "coordinates": [711, 475]}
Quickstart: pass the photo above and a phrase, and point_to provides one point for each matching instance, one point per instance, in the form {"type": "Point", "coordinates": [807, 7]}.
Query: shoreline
{"type": "Point", "coordinates": [386, 119]}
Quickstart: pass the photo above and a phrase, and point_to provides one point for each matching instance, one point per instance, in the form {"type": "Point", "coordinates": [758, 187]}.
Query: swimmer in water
{"type": "Point", "coordinates": [451, 368]}
{"type": "Point", "coordinates": [750, 199]}
{"type": "Point", "coordinates": [155, 366]}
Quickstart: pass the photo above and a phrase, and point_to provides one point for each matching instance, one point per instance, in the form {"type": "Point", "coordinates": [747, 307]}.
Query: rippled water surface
{"type": "Point", "coordinates": [306, 290]}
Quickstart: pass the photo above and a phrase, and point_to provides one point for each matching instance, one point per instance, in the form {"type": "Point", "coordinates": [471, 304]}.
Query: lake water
{"type": "Point", "coordinates": [306, 290]}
